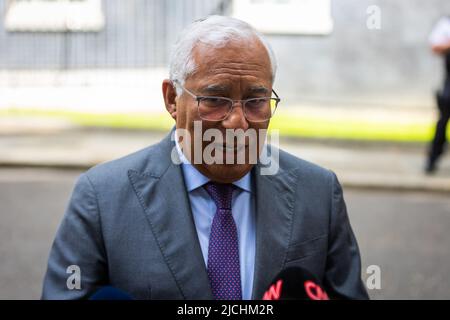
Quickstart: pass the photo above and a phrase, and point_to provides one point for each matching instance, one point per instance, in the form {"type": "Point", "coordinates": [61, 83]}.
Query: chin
{"type": "Point", "coordinates": [227, 173]}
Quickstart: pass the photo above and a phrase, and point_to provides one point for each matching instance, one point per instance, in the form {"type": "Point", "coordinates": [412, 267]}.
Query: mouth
{"type": "Point", "coordinates": [232, 148]}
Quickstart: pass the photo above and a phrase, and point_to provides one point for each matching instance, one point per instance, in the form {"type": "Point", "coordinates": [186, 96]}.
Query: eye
{"type": "Point", "coordinates": [214, 102]}
{"type": "Point", "coordinates": [257, 102]}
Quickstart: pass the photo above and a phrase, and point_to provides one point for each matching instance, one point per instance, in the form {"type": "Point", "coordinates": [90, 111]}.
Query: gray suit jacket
{"type": "Point", "coordinates": [129, 225]}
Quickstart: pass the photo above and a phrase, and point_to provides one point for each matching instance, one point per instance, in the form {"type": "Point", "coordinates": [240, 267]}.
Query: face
{"type": "Point", "coordinates": [240, 70]}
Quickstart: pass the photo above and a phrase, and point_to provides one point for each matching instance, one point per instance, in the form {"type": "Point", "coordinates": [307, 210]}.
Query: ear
{"type": "Point", "coordinates": [170, 95]}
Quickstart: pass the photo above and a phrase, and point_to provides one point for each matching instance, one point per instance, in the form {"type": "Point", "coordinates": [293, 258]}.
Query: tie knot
{"type": "Point", "coordinates": [221, 193]}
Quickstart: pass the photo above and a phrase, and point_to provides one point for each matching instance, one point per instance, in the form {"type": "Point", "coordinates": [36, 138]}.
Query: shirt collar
{"type": "Point", "coordinates": [195, 179]}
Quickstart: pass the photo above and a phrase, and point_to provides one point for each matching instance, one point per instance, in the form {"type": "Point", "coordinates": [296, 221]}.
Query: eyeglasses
{"type": "Point", "coordinates": [212, 108]}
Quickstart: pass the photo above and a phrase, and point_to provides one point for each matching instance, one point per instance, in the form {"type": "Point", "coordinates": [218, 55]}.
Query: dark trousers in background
{"type": "Point", "coordinates": [438, 144]}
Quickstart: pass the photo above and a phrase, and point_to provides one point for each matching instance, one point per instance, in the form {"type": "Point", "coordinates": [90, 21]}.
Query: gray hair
{"type": "Point", "coordinates": [216, 31]}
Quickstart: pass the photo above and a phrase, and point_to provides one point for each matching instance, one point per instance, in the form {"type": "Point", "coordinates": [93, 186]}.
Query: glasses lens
{"type": "Point", "coordinates": [214, 108]}
{"type": "Point", "coordinates": [260, 109]}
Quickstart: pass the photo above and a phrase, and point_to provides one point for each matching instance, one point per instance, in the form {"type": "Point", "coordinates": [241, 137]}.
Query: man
{"type": "Point", "coordinates": [203, 229]}
{"type": "Point", "coordinates": [440, 44]}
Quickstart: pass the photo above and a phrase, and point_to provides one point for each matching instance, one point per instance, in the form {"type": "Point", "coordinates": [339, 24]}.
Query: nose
{"type": "Point", "coordinates": [236, 119]}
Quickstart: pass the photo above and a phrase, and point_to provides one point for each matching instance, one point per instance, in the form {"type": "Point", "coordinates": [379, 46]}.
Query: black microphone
{"type": "Point", "coordinates": [110, 293]}
{"type": "Point", "coordinates": [295, 283]}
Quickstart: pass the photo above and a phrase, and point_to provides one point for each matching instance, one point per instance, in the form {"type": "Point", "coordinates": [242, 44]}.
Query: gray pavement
{"type": "Point", "coordinates": [32, 205]}
{"type": "Point", "coordinates": [404, 233]}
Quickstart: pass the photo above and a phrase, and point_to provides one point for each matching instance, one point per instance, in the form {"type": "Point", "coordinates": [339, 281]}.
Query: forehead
{"type": "Point", "coordinates": [238, 62]}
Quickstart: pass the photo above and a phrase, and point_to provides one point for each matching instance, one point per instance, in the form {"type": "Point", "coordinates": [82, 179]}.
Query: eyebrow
{"type": "Point", "coordinates": [215, 89]}
{"type": "Point", "coordinates": [258, 90]}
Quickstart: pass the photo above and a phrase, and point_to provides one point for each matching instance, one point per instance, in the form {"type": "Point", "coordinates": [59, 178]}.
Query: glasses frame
{"type": "Point", "coordinates": [243, 102]}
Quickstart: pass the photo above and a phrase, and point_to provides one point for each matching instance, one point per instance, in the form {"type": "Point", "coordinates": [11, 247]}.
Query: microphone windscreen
{"type": "Point", "coordinates": [110, 293]}
{"type": "Point", "coordinates": [295, 283]}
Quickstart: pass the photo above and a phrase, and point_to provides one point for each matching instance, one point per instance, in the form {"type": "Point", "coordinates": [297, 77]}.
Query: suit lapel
{"type": "Point", "coordinates": [274, 209]}
{"type": "Point", "coordinates": [162, 194]}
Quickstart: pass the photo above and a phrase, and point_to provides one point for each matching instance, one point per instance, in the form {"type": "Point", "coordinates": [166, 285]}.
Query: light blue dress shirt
{"type": "Point", "coordinates": [203, 210]}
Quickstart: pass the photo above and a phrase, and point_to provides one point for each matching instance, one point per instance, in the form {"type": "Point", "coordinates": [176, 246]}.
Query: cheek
{"type": "Point", "coordinates": [261, 129]}
{"type": "Point", "coordinates": [186, 115]}
{"type": "Point", "coordinates": [192, 115]}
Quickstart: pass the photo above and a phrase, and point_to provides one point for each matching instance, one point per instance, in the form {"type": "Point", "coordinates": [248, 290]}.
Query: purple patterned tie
{"type": "Point", "coordinates": [223, 251]}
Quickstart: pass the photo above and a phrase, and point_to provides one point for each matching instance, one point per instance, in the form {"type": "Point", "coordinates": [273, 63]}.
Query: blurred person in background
{"type": "Point", "coordinates": [440, 44]}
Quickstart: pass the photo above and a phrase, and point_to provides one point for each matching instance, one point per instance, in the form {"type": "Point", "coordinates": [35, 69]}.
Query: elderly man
{"type": "Point", "coordinates": [177, 220]}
